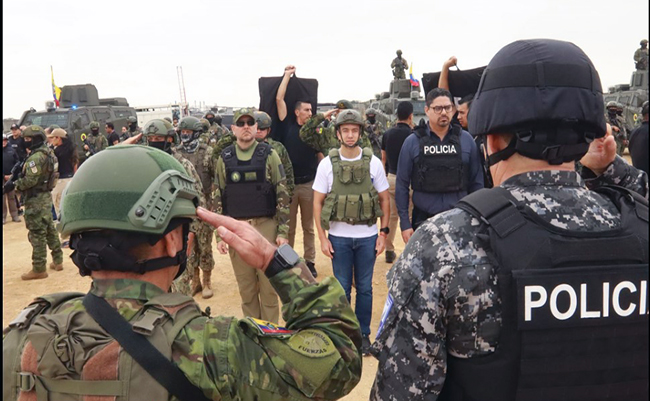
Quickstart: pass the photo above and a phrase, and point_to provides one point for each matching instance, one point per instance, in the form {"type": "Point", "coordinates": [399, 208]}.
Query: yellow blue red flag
{"type": "Point", "coordinates": [56, 91]}
{"type": "Point", "coordinates": [414, 82]}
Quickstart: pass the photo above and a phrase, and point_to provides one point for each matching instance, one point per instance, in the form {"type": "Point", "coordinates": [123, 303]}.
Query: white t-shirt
{"type": "Point", "coordinates": [323, 184]}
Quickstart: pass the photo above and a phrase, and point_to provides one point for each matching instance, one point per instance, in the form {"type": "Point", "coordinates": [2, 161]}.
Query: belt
{"type": "Point", "coordinates": [303, 179]}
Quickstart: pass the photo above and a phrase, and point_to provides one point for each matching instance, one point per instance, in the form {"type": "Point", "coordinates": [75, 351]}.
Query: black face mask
{"type": "Point", "coordinates": [94, 131]}
{"type": "Point", "coordinates": [612, 113]}
{"type": "Point", "coordinates": [210, 119]}
{"type": "Point", "coordinates": [164, 146]}
{"type": "Point", "coordinates": [371, 120]}
{"type": "Point", "coordinates": [132, 127]}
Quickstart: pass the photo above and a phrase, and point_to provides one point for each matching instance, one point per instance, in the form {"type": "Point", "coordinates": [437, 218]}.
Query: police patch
{"type": "Point", "coordinates": [235, 176]}
{"type": "Point", "coordinates": [268, 329]}
{"type": "Point", "coordinates": [311, 343]}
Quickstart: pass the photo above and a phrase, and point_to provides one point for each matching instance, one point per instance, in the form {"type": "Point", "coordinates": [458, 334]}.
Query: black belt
{"type": "Point", "coordinates": [303, 179]}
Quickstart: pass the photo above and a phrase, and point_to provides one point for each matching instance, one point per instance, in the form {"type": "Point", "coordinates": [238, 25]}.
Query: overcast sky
{"type": "Point", "coordinates": [131, 48]}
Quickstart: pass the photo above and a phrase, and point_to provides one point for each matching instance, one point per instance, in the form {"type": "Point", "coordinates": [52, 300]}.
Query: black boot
{"type": "Point", "coordinates": [312, 269]}
{"type": "Point", "coordinates": [390, 256]}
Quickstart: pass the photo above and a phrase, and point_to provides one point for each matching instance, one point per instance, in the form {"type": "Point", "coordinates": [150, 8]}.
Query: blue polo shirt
{"type": "Point", "coordinates": [433, 203]}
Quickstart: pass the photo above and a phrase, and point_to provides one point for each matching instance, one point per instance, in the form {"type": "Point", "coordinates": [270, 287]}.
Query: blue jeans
{"type": "Point", "coordinates": [356, 256]}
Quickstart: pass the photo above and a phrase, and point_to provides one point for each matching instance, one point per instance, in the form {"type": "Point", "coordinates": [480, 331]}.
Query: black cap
{"type": "Point", "coordinates": [15, 126]}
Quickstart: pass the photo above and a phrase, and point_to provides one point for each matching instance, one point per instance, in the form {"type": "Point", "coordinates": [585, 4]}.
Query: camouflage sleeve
{"type": "Point", "coordinates": [104, 142]}
{"type": "Point", "coordinates": [225, 141]}
{"type": "Point", "coordinates": [286, 163]}
{"type": "Point", "coordinates": [442, 298]}
{"type": "Point", "coordinates": [279, 179]}
{"type": "Point", "coordinates": [32, 171]}
{"type": "Point", "coordinates": [315, 357]}
{"type": "Point", "coordinates": [619, 173]}
{"type": "Point", "coordinates": [313, 135]}
{"type": "Point", "coordinates": [218, 185]}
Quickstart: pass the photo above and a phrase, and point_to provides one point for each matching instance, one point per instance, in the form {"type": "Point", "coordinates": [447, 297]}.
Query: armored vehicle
{"type": "Point", "coordinates": [399, 90]}
{"type": "Point", "coordinates": [631, 96]}
{"type": "Point", "coordinates": [79, 105]}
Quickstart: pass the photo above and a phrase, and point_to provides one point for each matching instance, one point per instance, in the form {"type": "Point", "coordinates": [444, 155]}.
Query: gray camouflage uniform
{"type": "Point", "coordinates": [443, 288]}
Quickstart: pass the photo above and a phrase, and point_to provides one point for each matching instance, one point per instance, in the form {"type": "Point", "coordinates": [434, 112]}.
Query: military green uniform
{"type": "Point", "coordinates": [252, 282]}
{"type": "Point", "coordinates": [203, 163]}
{"type": "Point", "coordinates": [96, 142]}
{"type": "Point", "coordinates": [36, 185]}
{"type": "Point", "coordinates": [183, 283]}
{"type": "Point", "coordinates": [323, 139]}
{"type": "Point", "coordinates": [314, 357]}
{"type": "Point", "coordinates": [620, 136]}
{"type": "Point", "coordinates": [641, 58]}
{"type": "Point", "coordinates": [399, 65]}
{"type": "Point", "coordinates": [375, 132]}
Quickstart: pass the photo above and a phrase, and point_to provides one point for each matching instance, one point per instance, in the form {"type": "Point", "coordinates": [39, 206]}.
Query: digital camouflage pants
{"type": "Point", "coordinates": [201, 255]}
{"type": "Point", "coordinates": [39, 223]}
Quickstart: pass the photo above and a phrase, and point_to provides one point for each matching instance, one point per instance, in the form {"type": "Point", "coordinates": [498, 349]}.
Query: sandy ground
{"type": "Point", "coordinates": [16, 259]}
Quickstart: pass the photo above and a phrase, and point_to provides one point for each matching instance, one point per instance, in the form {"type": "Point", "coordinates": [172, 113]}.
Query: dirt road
{"type": "Point", "coordinates": [16, 259]}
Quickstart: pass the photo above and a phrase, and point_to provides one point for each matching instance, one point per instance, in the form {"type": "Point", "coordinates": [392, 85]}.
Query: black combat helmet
{"type": "Point", "coordinates": [546, 92]}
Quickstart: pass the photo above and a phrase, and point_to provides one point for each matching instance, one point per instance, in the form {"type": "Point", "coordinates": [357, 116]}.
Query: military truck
{"type": "Point", "coordinates": [631, 96]}
{"type": "Point", "coordinates": [399, 90]}
{"type": "Point", "coordinates": [79, 105]}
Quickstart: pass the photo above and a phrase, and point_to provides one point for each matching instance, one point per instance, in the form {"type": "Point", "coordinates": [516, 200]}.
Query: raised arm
{"type": "Point", "coordinates": [282, 91]}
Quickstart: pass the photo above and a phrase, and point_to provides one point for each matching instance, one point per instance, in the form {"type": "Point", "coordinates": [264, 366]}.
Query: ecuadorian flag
{"type": "Point", "coordinates": [414, 82]}
{"type": "Point", "coordinates": [56, 91]}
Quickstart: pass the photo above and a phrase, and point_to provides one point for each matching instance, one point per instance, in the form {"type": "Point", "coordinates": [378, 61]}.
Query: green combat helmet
{"type": "Point", "coordinates": [190, 123]}
{"type": "Point", "coordinates": [371, 112]}
{"type": "Point", "coordinates": [399, 53]}
{"type": "Point", "coordinates": [263, 120]}
{"type": "Point", "coordinates": [349, 116]}
{"type": "Point", "coordinates": [157, 197]}
{"type": "Point", "coordinates": [205, 125]}
{"type": "Point", "coordinates": [94, 124]}
{"type": "Point", "coordinates": [611, 104]}
{"type": "Point", "coordinates": [159, 127]}
{"type": "Point", "coordinates": [131, 120]}
{"type": "Point", "coordinates": [36, 136]}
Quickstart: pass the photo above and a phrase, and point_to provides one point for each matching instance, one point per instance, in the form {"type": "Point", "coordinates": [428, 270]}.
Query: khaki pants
{"type": "Point", "coordinates": [394, 217]}
{"type": "Point", "coordinates": [56, 194]}
{"type": "Point", "coordinates": [303, 196]}
{"type": "Point", "coordinates": [9, 200]}
{"type": "Point", "coordinates": [258, 297]}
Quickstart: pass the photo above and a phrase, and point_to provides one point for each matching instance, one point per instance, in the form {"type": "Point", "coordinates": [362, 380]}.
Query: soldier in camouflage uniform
{"type": "Point", "coordinates": [641, 56]}
{"type": "Point", "coordinates": [39, 177]}
{"type": "Point", "coordinates": [216, 129]}
{"type": "Point", "coordinates": [263, 135]}
{"type": "Point", "coordinates": [448, 292]}
{"type": "Point", "coordinates": [374, 131]}
{"type": "Point", "coordinates": [618, 126]}
{"type": "Point", "coordinates": [399, 65]}
{"type": "Point", "coordinates": [199, 154]}
{"type": "Point", "coordinates": [95, 142]}
{"type": "Point", "coordinates": [161, 135]}
{"type": "Point", "coordinates": [251, 185]}
{"type": "Point", "coordinates": [58, 340]}
{"type": "Point", "coordinates": [133, 130]}
{"type": "Point", "coordinates": [322, 137]}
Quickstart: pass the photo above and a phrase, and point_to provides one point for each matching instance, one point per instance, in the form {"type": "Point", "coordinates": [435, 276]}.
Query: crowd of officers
{"type": "Point", "coordinates": [345, 173]}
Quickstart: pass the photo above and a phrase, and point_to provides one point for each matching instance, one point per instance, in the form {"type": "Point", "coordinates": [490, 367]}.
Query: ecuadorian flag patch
{"type": "Point", "coordinates": [268, 329]}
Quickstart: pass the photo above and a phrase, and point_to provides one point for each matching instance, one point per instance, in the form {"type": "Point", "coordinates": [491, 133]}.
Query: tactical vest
{"type": "Point", "coordinates": [40, 339]}
{"type": "Point", "coordinates": [353, 199]}
{"type": "Point", "coordinates": [197, 158]}
{"type": "Point", "coordinates": [248, 194]}
{"type": "Point", "coordinates": [49, 175]}
{"type": "Point", "coordinates": [439, 166]}
{"type": "Point", "coordinates": [574, 307]}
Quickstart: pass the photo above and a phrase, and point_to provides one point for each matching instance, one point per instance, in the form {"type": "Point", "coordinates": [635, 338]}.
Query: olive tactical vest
{"type": "Point", "coordinates": [50, 174]}
{"type": "Point", "coordinates": [64, 354]}
{"type": "Point", "coordinates": [353, 199]}
{"type": "Point", "coordinates": [574, 307]}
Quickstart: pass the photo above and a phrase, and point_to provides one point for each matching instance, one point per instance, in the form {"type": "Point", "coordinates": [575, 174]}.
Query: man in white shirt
{"type": "Point", "coordinates": [350, 193]}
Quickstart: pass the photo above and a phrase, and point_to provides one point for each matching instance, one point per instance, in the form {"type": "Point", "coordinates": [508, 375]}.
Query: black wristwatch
{"type": "Point", "coordinates": [284, 258]}
{"type": "Point", "coordinates": [385, 230]}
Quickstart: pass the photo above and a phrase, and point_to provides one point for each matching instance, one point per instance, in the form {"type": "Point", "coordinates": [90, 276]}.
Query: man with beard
{"type": "Point", "coordinates": [441, 163]}
{"type": "Point", "coordinates": [250, 185]}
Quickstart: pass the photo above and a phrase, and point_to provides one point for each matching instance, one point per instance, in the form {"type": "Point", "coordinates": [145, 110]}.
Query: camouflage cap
{"type": "Point", "coordinates": [58, 132]}
{"type": "Point", "coordinates": [246, 111]}
{"type": "Point", "coordinates": [344, 104]}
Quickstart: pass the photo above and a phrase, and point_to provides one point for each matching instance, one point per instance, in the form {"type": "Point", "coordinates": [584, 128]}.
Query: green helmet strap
{"type": "Point", "coordinates": [102, 250]}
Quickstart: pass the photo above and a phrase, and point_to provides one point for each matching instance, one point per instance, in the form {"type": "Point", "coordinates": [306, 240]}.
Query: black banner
{"type": "Point", "coordinates": [461, 83]}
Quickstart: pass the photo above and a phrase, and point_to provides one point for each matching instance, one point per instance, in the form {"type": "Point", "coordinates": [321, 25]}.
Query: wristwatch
{"type": "Point", "coordinates": [284, 258]}
{"type": "Point", "coordinates": [385, 230]}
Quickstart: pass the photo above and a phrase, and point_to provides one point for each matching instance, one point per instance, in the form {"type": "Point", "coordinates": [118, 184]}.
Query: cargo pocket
{"type": "Point", "coordinates": [352, 206]}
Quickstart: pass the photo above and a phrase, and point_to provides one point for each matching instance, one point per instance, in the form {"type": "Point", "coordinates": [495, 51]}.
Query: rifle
{"type": "Point", "coordinates": [16, 170]}
{"type": "Point", "coordinates": [91, 148]}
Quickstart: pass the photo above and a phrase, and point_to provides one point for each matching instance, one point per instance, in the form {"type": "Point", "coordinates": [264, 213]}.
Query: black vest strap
{"type": "Point", "coordinates": [140, 349]}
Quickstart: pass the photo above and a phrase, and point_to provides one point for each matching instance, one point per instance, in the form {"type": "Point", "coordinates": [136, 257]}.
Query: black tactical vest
{"type": "Point", "coordinates": [439, 166]}
{"type": "Point", "coordinates": [574, 307]}
{"type": "Point", "coordinates": [247, 192]}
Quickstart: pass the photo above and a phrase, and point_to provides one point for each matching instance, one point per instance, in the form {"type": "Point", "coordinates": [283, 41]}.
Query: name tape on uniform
{"type": "Point", "coordinates": [440, 150]}
{"type": "Point", "coordinates": [578, 297]}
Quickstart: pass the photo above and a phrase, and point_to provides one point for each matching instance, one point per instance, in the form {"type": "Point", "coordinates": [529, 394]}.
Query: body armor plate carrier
{"type": "Point", "coordinates": [439, 167]}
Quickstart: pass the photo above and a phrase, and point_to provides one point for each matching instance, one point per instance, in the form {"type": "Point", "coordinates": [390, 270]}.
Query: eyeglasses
{"type": "Point", "coordinates": [439, 109]}
{"type": "Point", "coordinates": [241, 123]}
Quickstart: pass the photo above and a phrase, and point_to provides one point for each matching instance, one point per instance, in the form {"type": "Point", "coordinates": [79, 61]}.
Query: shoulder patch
{"type": "Point", "coordinates": [311, 343]}
{"type": "Point", "coordinates": [268, 329]}
{"type": "Point", "coordinates": [32, 164]}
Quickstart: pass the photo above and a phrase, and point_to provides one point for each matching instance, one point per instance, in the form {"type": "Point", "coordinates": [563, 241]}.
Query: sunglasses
{"type": "Point", "coordinates": [250, 123]}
